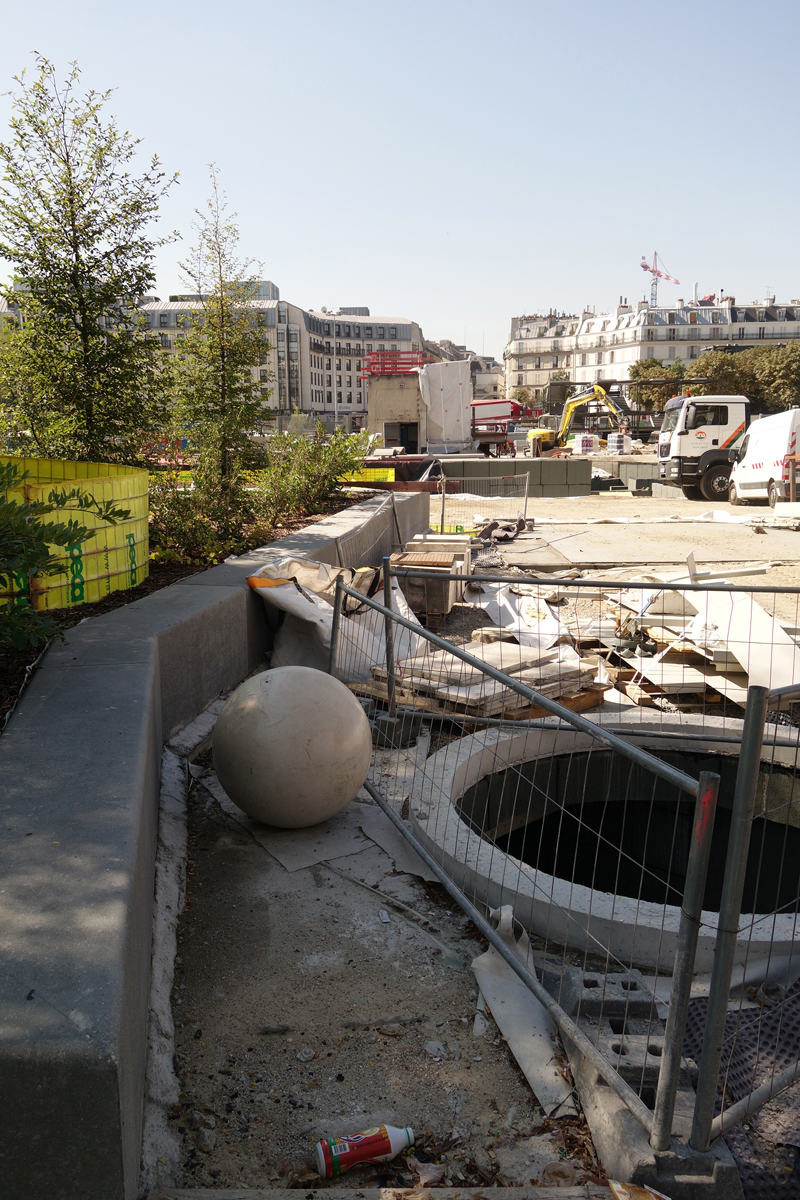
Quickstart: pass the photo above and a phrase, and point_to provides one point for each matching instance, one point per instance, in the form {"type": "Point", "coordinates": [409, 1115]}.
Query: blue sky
{"type": "Point", "coordinates": [460, 163]}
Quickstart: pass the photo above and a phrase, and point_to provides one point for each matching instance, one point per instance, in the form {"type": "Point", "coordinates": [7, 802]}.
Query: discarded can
{"type": "Point", "coordinates": [378, 1145]}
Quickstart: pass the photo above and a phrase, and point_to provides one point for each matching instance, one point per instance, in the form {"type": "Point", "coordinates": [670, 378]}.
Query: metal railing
{"type": "Point", "coordinates": [604, 836]}
{"type": "Point", "coordinates": [480, 500]}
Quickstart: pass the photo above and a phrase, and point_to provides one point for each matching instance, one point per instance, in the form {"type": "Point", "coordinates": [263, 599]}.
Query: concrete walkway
{"type": "Point", "coordinates": [648, 540]}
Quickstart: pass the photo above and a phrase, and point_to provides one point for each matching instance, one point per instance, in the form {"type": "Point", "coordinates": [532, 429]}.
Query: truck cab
{"type": "Point", "coordinates": [697, 434]}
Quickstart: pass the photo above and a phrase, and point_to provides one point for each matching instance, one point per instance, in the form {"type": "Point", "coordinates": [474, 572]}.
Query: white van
{"type": "Point", "coordinates": [760, 468]}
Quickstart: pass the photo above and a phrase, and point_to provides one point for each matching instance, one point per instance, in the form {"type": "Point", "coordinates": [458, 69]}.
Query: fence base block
{"type": "Point", "coordinates": [624, 1150]}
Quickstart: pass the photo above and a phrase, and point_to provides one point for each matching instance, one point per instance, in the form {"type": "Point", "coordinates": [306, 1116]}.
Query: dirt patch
{"type": "Point", "coordinates": [300, 1012]}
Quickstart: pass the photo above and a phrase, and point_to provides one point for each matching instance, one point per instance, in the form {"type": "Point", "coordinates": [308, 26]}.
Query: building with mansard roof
{"type": "Point", "coordinates": [606, 345]}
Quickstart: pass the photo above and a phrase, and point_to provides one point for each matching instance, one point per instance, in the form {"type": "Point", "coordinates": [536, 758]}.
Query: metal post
{"type": "Point", "coordinates": [337, 612]}
{"type": "Point", "coordinates": [444, 493]}
{"type": "Point", "coordinates": [793, 480]}
{"type": "Point", "coordinates": [527, 483]}
{"type": "Point", "coordinates": [396, 522]}
{"type": "Point", "coordinates": [755, 1100]}
{"type": "Point", "coordinates": [744, 800]}
{"type": "Point", "coordinates": [691, 911]}
{"type": "Point", "coordinates": [387, 603]}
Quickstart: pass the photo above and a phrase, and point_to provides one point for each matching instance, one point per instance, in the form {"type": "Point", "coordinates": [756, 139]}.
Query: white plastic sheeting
{"type": "Point", "coordinates": [305, 591]}
{"type": "Point", "coordinates": [518, 608]}
{"type": "Point", "coordinates": [446, 390]}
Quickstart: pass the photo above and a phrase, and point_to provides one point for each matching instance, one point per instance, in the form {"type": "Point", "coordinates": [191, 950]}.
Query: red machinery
{"type": "Point", "coordinates": [490, 422]}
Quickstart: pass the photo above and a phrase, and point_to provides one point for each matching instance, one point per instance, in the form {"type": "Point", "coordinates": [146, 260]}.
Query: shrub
{"type": "Point", "coordinates": [193, 520]}
{"type": "Point", "coordinates": [303, 473]}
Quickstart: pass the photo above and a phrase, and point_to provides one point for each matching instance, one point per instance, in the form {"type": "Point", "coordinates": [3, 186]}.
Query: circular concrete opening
{"type": "Point", "coordinates": [591, 851]}
{"type": "Point", "coordinates": [622, 831]}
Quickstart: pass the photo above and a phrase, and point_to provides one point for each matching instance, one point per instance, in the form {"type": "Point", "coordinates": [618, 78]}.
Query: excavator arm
{"type": "Point", "coordinates": [595, 392]}
{"type": "Point", "coordinates": [589, 394]}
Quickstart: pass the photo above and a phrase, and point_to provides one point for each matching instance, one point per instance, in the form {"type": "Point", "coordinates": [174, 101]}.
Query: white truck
{"type": "Point", "coordinates": [762, 464]}
{"type": "Point", "coordinates": [696, 437]}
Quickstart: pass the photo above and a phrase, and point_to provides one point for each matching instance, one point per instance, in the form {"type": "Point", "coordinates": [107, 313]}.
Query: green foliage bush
{"type": "Point", "coordinates": [25, 550]}
{"type": "Point", "coordinates": [303, 473]}
{"type": "Point", "coordinates": [768, 375]}
{"type": "Point", "coordinates": [301, 477]}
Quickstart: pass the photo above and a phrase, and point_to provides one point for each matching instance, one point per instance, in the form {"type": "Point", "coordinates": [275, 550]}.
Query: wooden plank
{"type": "Point", "coordinates": [580, 702]}
{"type": "Point", "coordinates": [408, 699]}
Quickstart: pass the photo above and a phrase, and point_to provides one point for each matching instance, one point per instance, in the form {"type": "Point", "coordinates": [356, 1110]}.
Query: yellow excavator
{"type": "Point", "coordinates": [543, 441]}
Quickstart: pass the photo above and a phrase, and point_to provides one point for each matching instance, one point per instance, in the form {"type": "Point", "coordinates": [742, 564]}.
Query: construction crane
{"type": "Point", "coordinates": [658, 271]}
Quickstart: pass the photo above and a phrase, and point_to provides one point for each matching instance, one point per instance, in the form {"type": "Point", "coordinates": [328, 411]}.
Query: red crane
{"type": "Point", "coordinates": [658, 271]}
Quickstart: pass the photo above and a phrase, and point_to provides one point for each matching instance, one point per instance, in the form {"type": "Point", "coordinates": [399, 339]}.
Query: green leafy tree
{"type": "Point", "coordinates": [654, 395]}
{"type": "Point", "coordinates": [728, 375]}
{"type": "Point", "coordinates": [79, 377]}
{"type": "Point", "coordinates": [26, 542]}
{"type": "Point", "coordinates": [220, 404]}
{"type": "Point", "coordinates": [777, 374]}
{"type": "Point", "coordinates": [559, 376]}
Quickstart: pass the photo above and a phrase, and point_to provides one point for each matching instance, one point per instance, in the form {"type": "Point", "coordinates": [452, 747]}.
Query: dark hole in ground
{"type": "Point", "coordinates": [604, 822]}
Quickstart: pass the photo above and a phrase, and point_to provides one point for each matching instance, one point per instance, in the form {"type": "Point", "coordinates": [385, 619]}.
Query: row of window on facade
{"type": "Point", "coordinates": [343, 330]}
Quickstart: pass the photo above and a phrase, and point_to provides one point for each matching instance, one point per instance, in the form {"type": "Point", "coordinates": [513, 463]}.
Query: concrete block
{"type": "Point", "coordinates": [453, 467]}
{"type": "Point", "coordinates": [611, 465]}
{"type": "Point", "coordinates": [663, 491]}
{"type": "Point", "coordinates": [80, 767]}
{"type": "Point", "coordinates": [555, 489]}
{"type": "Point", "coordinates": [578, 489]}
{"type": "Point", "coordinates": [535, 489]}
{"type": "Point", "coordinates": [553, 470]}
{"type": "Point", "coordinates": [579, 470]}
{"type": "Point", "coordinates": [601, 994]}
{"type": "Point", "coordinates": [474, 468]}
{"type": "Point", "coordinates": [534, 468]}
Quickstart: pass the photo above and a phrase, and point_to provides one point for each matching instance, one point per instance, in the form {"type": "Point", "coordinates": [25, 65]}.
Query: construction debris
{"type": "Point", "coordinates": [525, 1024]}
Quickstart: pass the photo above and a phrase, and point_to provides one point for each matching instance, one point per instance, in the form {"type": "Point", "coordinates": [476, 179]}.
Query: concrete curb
{"type": "Point", "coordinates": [80, 764]}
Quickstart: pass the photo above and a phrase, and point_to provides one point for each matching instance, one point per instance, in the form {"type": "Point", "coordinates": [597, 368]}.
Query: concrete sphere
{"type": "Point", "coordinates": [292, 746]}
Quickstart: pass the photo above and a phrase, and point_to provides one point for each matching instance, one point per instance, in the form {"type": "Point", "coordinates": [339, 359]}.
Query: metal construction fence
{"type": "Point", "coordinates": [649, 853]}
{"type": "Point", "coordinates": [479, 500]}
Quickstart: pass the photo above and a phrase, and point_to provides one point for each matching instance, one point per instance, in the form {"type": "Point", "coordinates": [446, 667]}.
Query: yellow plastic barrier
{"type": "Point", "coordinates": [117, 557]}
{"type": "Point", "coordinates": [370, 474]}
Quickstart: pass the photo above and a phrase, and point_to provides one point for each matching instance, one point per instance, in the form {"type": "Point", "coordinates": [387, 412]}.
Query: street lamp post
{"type": "Point", "coordinates": [335, 385]}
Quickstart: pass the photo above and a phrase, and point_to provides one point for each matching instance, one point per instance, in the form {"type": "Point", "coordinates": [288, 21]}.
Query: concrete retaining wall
{"type": "Point", "coordinates": [663, 491]}
{"type": "Point", "coordinates": [79, 765]}
{"type": "Point", "coordinates": [547, 476]}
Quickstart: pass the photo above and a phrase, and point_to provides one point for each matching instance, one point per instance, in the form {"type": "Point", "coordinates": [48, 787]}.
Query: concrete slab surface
{"type": "Point", "coordinates": [649, 540]}
{"type": "Point", "coordinates": [650, 544]}
{"type": "Point", "coordinates": [79, 763]}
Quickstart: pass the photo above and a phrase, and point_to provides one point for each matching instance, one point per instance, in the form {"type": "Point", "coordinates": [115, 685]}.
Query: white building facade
{"type": "Point", "coordinates": [606, 345]}
{"type": "Point", "coordinates": [314, 361]}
